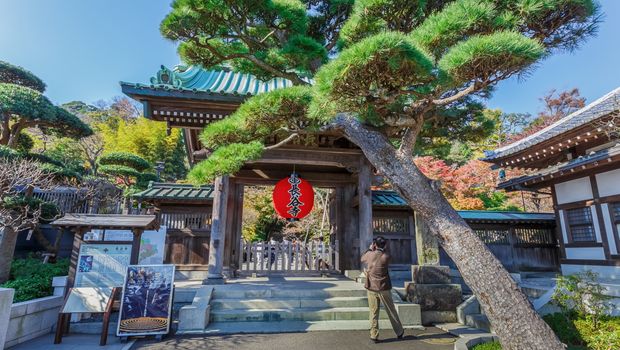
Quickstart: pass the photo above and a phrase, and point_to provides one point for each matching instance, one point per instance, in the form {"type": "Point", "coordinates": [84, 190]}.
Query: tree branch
{"type": "Point", "coordinates": [457, 96]}
{"type": "Point", "coordinates": [283, 142]}
{"type": "Point", "coordinates": [410, 137]}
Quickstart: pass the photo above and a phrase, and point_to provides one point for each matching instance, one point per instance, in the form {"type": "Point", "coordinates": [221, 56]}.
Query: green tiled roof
{"type": "Point", "coordinates": [387, 199]}
{"type": "Point", "coordinates": [198, 79]}
{"type": "Point", "coordinates": [176, 192]}
{"type": "Point", "coordinates": [393, 199]}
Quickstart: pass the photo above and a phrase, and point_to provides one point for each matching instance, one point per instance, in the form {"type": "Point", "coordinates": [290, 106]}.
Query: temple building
{"type": "Point", "coordinates": [577, 161]}
{"type": "Point", "coordinates": [204, 224]}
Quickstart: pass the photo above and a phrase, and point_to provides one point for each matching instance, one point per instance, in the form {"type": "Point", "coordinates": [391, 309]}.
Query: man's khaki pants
{"type": "Point", "coordinates": [385, 297]}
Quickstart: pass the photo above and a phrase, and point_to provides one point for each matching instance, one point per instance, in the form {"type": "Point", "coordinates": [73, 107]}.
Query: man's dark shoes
{"type": "Point", "coordinates": [401, 335]}
{"type": "Point", "coordinates": [374, 340]}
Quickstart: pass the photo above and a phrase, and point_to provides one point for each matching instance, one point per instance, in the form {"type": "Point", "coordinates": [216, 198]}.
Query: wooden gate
{"type": "Point", "coordinates": [288, 257]}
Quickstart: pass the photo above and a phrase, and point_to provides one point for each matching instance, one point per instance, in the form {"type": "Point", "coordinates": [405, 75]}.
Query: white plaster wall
{"type": "Point", "coordinates": [597, 228]}
{"type": "Point", "coordinates": [608, 183]}
{"type": "Point", "coordinates": [609, 273]}
{"type": "Point", "coordinates": [562, 227]}
{"type": "Point", "coordinates": [573, 190]}
{"type": "Point", "coordinates": [589, 253]}
{"type": "Point", "coordinates": [609, 229]}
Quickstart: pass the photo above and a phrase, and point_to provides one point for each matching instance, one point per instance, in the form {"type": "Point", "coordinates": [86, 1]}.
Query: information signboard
{"type": "Point", "coordinates": [102, 265]}
{"type": "Point", "coordinates": [146, 301]}
{"type": "Point", "coordinates": [152, 246]}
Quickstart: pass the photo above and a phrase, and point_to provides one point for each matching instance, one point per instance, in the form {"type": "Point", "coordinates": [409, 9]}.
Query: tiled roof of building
{"type": "Point", "coordinates": [198, 79]}
{"type": "Point", "coordinates": [593, 111]}
{"type": "Point", "coordinates": [567, 167]}
{"type": "Point", "coordinates": [176, 192]}
{"type": "Point", "coordinates": [393, 199]}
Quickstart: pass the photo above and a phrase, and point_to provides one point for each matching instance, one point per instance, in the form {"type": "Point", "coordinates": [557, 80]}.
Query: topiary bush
{"type": "Point", "coordinates": [125, 159]}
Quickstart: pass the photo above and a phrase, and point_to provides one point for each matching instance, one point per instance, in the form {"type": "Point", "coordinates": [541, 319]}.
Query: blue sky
{"type": "Point", "coordinates": [82, 49]}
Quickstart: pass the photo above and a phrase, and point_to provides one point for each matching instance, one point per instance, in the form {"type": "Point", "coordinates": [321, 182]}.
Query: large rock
{"type": "Point", "coordinates": [435, 297]}
{"type": "Point", "coordinates": [430, 274]}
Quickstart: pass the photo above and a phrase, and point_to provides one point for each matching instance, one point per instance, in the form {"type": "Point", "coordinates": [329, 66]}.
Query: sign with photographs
{"type": "Point", "coordinates": [146, 302]}
{"type": "Point", "coordinates": [102, 265]}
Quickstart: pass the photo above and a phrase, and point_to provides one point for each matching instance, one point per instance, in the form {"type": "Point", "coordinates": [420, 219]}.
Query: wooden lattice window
{"type": "Point", "coordinates": [493, 236]}
{"type": "Point", "coordinates": [580, 225]}
{"type": "Point", "coordinates": [534, 235]}
{"type": "Point", "coordinates": [393, 225]}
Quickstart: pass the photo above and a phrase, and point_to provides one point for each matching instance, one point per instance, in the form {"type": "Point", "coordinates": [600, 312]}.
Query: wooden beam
{"type": "Point", "coordinates": [273, 176]}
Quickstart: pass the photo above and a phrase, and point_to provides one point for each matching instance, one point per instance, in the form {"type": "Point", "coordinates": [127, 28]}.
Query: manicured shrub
{"type": "Point", "coordinates": [32, 279]}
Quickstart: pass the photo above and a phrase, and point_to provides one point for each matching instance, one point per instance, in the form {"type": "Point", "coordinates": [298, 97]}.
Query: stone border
{"type": "Point", "coordinates": [194, 318]}
{"type": "Point", "coordinates": [31, 319]}
{"type": "Point", "coordinates": [468, 336]}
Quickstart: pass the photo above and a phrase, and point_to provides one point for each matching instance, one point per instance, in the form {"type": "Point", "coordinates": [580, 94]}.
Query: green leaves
{"type": "Point", "coordinates": [483, 57]}
{"type": "Point", "coordinates": [225, 160]}
{"type": "Point", "coordinates": [125, 159]}
{"type": "Point", "coordinates": [454, 23]}
{"type": "Point", "coordinates": [266, 38]}
{"type": "Point", "coordinates": [263, 115]}
{"type": "Point", "coordinates": [26, 102]}
{"type": "Point", "coordinates": [368, 77]}
{"type": "Point", "coordinates": [10, 74]}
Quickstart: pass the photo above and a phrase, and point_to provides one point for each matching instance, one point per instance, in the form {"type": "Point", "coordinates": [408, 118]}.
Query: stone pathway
{"type": "Point", "coordinates": [73, 342]}
{"type": "Point", "coordinates": [428, 339]}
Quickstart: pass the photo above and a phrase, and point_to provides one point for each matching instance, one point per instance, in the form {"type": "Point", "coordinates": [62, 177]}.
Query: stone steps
{"type": "Point", "coordinates": [295, 314]}
{"type": "Point", "coordinates": [272, 293]}
{"type": "Point", "coordinates": [287, 303]}
{"type": "Point", "coordinates": [223, 328]}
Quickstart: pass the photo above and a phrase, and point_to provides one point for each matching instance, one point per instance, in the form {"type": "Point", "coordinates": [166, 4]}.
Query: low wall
{"type": "Point", "coordinates": [31, 319]}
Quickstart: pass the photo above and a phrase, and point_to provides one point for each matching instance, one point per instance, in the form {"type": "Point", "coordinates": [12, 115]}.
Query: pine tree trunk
{"type": "Point", "coordinates": [7, 248]}
{"type": "Point", "coordinates": [511, 315]}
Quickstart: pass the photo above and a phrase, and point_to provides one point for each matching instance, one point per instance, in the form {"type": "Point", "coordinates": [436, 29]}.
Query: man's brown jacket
{"type": "Point", "coordinates": [377, 275]}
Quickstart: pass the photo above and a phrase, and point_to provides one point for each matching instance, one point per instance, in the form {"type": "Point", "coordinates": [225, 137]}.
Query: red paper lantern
{"type": "Point", "coordinates": [293, 197]}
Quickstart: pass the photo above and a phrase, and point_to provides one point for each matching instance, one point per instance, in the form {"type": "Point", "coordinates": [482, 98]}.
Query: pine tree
{"type": "Point", "coordinates": [385, 74]}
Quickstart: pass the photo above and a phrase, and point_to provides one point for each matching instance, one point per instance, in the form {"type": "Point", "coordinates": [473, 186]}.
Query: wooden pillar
{"type": "Point", "coordinates": [218, 231]}
{"type": "Point", "coordinates": [364, 196]}
{"type": "Point", "coordinates": [427, 245]}
{"type": "Point", "coordinates": [350, 239]}
{"type": "Point", "coordinates": [75, 252]}
{"type": "Point", "coordinates": [135, 246]}
{"type": "Point", "coordinates": [233, 226]}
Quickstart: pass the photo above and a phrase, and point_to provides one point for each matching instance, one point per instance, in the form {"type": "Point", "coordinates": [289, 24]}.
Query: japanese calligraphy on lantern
{"type": "Point", "coordinates": [293, 197]}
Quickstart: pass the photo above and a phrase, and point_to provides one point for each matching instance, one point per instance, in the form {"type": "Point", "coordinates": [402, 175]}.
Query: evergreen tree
{"type": "Point", "coordinates": [387, 75]}
{"type": "Point", "coordinates": [22, 106]}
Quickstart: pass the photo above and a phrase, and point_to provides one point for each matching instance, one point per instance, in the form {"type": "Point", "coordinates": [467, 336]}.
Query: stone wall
{"type": "Point", "coordinates": [31, 319]}
{"type": "Point", "coordinates": [6, 299]}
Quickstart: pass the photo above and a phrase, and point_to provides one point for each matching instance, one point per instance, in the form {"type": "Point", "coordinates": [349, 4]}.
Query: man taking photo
{"type": "Point", "coordinates": [379, 287]}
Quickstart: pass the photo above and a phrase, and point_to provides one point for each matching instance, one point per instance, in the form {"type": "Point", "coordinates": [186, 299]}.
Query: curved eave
{"type": "Point", "coordinates": [145, 92]}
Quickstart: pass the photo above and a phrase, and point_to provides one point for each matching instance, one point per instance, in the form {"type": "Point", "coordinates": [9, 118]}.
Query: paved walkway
{"type": "Point", "coordinates": [73, 342]}
{"type": "Point", "coordinates": [428, 339]}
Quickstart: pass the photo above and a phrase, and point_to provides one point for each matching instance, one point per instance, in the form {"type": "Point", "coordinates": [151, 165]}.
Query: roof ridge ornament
{"type": "Point", "coordinates": [166, 76]}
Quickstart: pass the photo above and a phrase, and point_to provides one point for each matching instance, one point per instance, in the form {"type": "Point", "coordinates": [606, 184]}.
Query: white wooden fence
{"type": "Point", "coordinates": [298, 257]}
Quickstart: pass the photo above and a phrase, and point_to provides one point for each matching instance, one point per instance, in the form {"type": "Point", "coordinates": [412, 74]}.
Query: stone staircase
{"type": "Point", "coordinates": [473, 316]}
{"type": "Point", "coordinates": [292, 306]}
{"type": "Point", "coordinates": [273, 305]}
